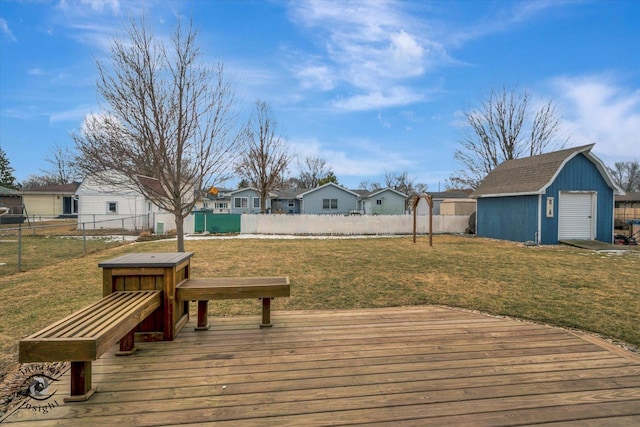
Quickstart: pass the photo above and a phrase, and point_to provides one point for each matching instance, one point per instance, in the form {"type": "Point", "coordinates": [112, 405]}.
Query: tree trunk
{"type": "Point", "coordinates": [180, 232]}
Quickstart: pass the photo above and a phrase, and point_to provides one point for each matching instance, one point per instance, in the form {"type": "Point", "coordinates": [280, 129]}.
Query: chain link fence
{"type": "Point", "coordinates": [35, 244]}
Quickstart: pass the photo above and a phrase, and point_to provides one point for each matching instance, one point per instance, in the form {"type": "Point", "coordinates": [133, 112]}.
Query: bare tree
{"type": "Point", "coordinates": [167, 115]}
{"type": "Point", "coordinates": [312, 171]}
{"type": "Point", "coordinates": [627, 175]}
{"type": "Point", "coordinates": [402, 182]}
{"type": "Point", "coordinates": [63, 169]}
{"type": "Point", "coordinates": [266, 158]}
{"type": "Point", "coordinates": [504, 128]}
{"type": "Point", "coordinates": [368, 185]}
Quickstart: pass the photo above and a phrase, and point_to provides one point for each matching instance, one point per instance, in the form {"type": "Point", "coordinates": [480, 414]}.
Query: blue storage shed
{"type": "Point", "coordinates": [563, 195]}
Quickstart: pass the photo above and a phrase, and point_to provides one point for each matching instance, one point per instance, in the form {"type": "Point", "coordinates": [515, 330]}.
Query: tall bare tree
{"type": "Point", "coordinates": [506, 126]}
{"type": "Point", "coordinates": [627, 175]}
{"type": "Point", "coordinates": [312, 170]}
{"type": "Point", "coordinates": [167, 114]}
{"type": "Point", "coordinates": [266, 158]}
{"type": "Point", "coordinates": [402, 182]}
{"type": "Point", "coordinates": [63, 169]}
{"type": "Point", "coordinates": [369, 185]}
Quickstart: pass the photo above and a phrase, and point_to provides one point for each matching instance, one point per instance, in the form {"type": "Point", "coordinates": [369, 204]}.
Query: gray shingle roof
{"type": "Point", "coordinates": [529, 175]}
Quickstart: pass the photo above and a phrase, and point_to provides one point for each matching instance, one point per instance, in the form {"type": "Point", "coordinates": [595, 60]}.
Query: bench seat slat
{"type": "Point", "coordinates": [70, 340]}
{"type": "Point", "coordinates": [233, 288]}
{"type": "Point", "coordinates": [122, 308]}
{"type": "Point", "coordinates": [88, 321]}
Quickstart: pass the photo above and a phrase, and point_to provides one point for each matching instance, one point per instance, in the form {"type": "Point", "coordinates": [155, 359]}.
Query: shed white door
{"type": "Point", "coordinates": [576, 216]}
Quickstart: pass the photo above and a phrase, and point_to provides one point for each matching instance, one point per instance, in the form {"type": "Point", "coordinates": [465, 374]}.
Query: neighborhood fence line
{"type": "Point", "coordinates": [351, 225]}
{"type": "Point", "coordinates": [36, 244]}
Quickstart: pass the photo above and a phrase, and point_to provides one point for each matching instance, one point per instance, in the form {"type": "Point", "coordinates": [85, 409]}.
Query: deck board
{"type": "Point", "coordinates": [393, 366]}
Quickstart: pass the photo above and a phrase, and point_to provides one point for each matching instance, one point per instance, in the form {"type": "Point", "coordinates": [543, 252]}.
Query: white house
{"type": "Point", "coordinates": [103, 206]}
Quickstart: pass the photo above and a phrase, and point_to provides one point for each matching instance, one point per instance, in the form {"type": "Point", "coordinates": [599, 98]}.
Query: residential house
{"type": "Point", "coordinates": [108, 205]}
{"type": "Point", "coordinates": [246, 201]}
{"type": "Point", "coordinates": [214, 200]}
{"type": "Point", "coordinates": [51, 201]}
{"type": "Point", "coordinates": [285, 201]}
{"type": "Point", "coordinates": [329, 198]}
{"type": "Point", "coordinates": [563, 195]}
{"type": "Point", "coordinates": [437, 198]}
{"type": "Point", "coordinates": [383, 201]}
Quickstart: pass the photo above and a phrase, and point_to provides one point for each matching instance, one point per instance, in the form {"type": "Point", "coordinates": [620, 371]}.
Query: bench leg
{"type": "Point", "coordinates": [203, 316]}
{"type": "Point", "coordinates": [127, 345]}
{"type": "Point", "coordinates": [266, 313]}
{"type": "Point", "coordinates": [81, 389]}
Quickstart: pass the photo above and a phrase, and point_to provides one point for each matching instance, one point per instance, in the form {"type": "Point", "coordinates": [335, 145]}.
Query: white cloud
{"type": "Point", "coordinates": [598, 110]}
{"type": "Point", "coordinates": [364, 158]}
{"type": "Point", "coordinates": [379, 99]}
{"type": "Point", "coordinates": [369, 45]}
{"type": "Point", "coordinates": [98, 6]}
{"type": "Point", "coordinates": [316, 77]}
{"type": "Point", "coordinates": [4, 29]}
{"type": "Point", "coordinates": [73, 115]}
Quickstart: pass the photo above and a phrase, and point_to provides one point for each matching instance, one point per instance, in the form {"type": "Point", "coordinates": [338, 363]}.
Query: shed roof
{"type": "Point", "coordinates": [532, 175]}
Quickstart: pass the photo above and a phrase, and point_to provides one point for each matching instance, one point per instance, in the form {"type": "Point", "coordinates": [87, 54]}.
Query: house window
{"type": "Point", "coordinates": [112, 207]}
{"type": "Point", "coordinates": [291, 203]}
{"type": "Point", "coordinates": [221, 205]}
{"type": "Point", "coordinates": [256, 202]}
{"type": "Point", "coordinates": [241, 202]}
{"type": "Point", "coordinates": [329, 203]}
{"type": "Point", "coordinates": [379, 202]}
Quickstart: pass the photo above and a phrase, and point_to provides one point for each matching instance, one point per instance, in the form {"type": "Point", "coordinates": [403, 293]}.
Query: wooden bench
{"type": "Point", "coordinates": [217, 288]}
{"type": "Point", "coordinates": [87, 334]}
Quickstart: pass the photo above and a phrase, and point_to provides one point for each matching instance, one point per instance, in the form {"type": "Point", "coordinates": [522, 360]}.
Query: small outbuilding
{"type": "Point", "coordinates": [562, 195]}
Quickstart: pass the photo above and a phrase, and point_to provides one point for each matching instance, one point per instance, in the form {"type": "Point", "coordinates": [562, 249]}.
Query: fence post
{"type": "Point", "coordinates": [19, 247]}
{"type": "Point", "coordinates": [84, 239]}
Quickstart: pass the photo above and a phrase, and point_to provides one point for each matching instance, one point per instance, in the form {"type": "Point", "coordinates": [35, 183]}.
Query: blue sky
{"type": "Point", "coordinates": [370, 86]}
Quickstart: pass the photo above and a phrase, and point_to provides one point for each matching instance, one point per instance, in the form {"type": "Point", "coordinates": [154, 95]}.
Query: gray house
{"type": "Point", "coordinates": [563, 195]}
{"type": "Point", "coordinates": [384, 201]}
{"type": "Point", "coordinates": [246, 201]}
{"type": "Point", "coordinates": [285, 201]}
{"type": "Point", "coordinates": [329, 198]}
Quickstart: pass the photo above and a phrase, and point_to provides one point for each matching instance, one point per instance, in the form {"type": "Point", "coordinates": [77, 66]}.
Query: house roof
{"type": "Point", "coordinates": [449, 194]}
{"type": "Point", "coordinates": [5, 191]}
{"type": "Point", "coordinates": [628, 197]}
{"type": "Point", "coordinates": [382, 190]}
{"type": "Point", "coordinates": [55, 188]}
{"type": "Point", "coordinates": [285, 194]}
{"type": "Point", "coordinates": [328, 184]}
{"type": "Point", "coordinates": [152, 184]}
{"type": "Point", "coordinates": [532, 175]}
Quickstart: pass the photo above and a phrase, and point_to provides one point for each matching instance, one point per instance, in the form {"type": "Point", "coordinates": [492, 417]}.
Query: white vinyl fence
{"type": "Point", "coordinates": [350, 225]}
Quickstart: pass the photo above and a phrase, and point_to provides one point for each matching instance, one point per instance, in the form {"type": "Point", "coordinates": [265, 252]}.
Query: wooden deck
{"type": "Point", "coordinates": [415, 366]}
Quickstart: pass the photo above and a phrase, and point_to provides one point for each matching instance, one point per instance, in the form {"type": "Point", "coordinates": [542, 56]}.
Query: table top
{"type": "Point", "coordinates": [151, 259]}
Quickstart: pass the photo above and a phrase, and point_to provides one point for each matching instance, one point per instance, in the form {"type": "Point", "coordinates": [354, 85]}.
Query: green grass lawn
{"type": "Point", "coordinates": [558, 285]}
